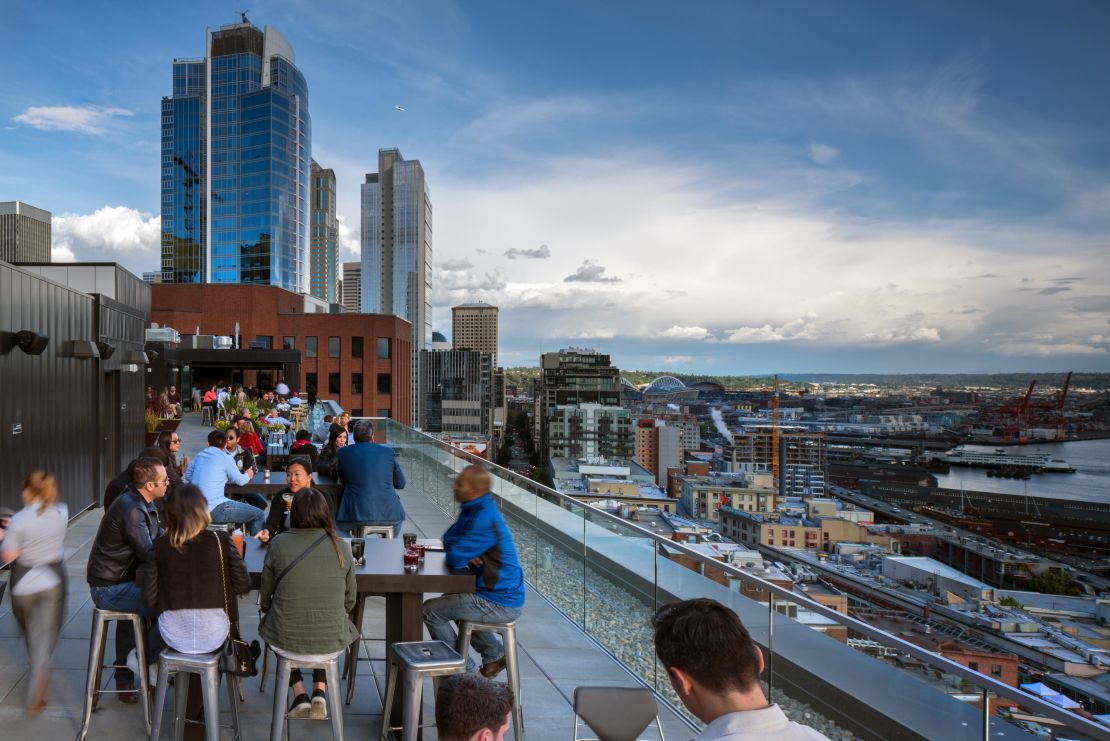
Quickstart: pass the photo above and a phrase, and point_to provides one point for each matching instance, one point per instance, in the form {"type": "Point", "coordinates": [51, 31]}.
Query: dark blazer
{"type": "Point", "coordinates": [371, 476]}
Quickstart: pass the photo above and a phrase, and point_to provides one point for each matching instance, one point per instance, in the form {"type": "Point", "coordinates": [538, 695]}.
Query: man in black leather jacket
{"type": "Point", "coordinates": [124, 540]}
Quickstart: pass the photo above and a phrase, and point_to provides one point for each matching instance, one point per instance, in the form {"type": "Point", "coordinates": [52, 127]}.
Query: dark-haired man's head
{"type": "Point", "coordinates": [217, 438]}
{"type": "Point", "coordinates": [470, 707]}
{"type": "Point", "coordinates": [148, 478]}
{"type": "Point", "coordinates": [710, 657]}
{"type": "Point", "coordinates": [304, 435]}
{"type": "Point", "coordinates": [364, 432]}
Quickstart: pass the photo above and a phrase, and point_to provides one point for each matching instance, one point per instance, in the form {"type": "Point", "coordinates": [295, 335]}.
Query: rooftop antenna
{"type": "Point", "coordinates": [243, 15]}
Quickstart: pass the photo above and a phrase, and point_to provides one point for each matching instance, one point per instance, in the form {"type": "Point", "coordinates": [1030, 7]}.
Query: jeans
{"type": "Point", "coordinates": [440, 611]}
{"type": "Point", "coordinates": [127, 597]}
{"type": "Point", "coordinates": [252, 498]}
{"type": "Point", "coordinates": [345, 528]}
{"type": "Point", "coordinates": [40, 617]}
{"type": "Point", "coordinates": [235, 512]}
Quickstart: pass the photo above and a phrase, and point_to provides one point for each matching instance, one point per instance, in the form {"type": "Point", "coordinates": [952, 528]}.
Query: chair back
{"type": "Point", "coordinates": [616, 713]}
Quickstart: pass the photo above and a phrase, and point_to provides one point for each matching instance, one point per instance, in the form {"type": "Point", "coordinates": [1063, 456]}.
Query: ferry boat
{"type": "Point", "coordinates": [998, 458]}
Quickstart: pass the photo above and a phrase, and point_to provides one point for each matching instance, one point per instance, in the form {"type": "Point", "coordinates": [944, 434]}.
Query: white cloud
{"type": "Point", "coordinates": [685, 333]}
{"type": "Point", "coordinates": [89, 119]}
{"type": "Point", "coordinates": [113, 233]}
{"type": "Point", "coordinates": [590, 272]}
{"type": "Point", "coordinates": [801, 328]}
{"type": "Point", "coordinates": [539, 253]}
{"type": "Point", "coordinates": [822, 154]}
{"type": "Point", "coordinates": [1048, 349]}
{"type": "Point", "coordinates": [597, 333]}
{"type": "Point", "coordinates": [350, 248]}
{"type": "Point", "coordinates": [894, 336]}
{"type": "Point", "coordinates": [677, 359]}
{"type": "Point", "coordinates": [455, 263]}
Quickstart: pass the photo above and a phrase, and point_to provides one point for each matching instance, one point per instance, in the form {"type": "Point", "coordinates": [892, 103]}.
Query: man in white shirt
{"type": "Point", "coordinates": [714, 667]}
{"type": "Point", "coordinates": [212, 470]}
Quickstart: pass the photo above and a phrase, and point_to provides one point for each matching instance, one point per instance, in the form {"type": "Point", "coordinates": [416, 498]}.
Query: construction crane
{"type": "Point", "coordinates": [775, 435]}
{"type": "Point", "coordinates": [1054, 408]}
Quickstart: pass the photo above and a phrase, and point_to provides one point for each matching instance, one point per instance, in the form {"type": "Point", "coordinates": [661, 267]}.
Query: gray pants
{"type": "Point", "coordinates": [40, 618]}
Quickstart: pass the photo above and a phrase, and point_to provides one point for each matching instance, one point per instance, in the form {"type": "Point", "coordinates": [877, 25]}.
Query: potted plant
{"type": "Point", "coordinates": [152, 421]}
{"type": "Point", "coordinates": [222, 425]}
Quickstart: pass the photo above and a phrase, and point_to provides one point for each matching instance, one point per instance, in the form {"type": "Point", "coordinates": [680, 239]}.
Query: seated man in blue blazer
{"type": "Point", "coordinates": [371, 477]}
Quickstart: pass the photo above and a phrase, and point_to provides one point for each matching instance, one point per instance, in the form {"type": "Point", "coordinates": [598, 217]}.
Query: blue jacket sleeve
{"type": "Point", "coordinates": [398, 474]}
{"type": "Point", "coordinates": [468, 540]}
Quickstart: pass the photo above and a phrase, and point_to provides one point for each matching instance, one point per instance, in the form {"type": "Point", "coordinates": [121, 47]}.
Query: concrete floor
{"type": "Point", "coordinates": [555, 657]}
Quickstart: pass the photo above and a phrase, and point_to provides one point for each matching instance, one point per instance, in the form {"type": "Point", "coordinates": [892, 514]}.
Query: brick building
{"type": "Point", "coordinates": [361, 361]}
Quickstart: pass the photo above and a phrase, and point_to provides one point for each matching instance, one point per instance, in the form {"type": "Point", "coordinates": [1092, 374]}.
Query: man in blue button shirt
{"type": "Point", "coordinates": [479, 540]}
{"type": "Point", "coordinates": [212, 470]}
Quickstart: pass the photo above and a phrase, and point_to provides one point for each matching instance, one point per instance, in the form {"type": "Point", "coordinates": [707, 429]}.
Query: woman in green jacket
{"type": "Point", "coordinates": [307, 614]}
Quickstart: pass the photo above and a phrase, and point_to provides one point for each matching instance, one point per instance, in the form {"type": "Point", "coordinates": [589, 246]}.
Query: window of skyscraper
{"type": "Point", "coordinates": [310, 347]}
{"type": "Point", "coordinates": [385, 381]}
{"type": "Point", "coordinates": [333, 347]}
{"type": "Point", "coordinates": [383, 348]}
{"type": "Point", "coordinates": [333, 383]}
{"type": "Point", "coordinates": [356, 383]}
{"type": "Point", "coordinates": [263, 341]}
{"type": "Point", "coordinates": [356, 347]}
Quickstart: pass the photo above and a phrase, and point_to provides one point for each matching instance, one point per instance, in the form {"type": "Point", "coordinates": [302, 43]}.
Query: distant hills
{"type": "Point", "coordinates": [521, 377]}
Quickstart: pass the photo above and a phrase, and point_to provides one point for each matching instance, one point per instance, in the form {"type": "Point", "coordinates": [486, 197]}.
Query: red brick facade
{"type": "Point", "coordinates": [271, 312]}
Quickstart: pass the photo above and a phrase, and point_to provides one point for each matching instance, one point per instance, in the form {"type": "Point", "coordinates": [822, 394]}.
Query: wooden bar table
{"type": "Point", "coordinates": [384, 575]}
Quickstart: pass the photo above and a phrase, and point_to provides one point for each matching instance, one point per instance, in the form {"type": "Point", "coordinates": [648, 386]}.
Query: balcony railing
{"type": "Point", "coordinates": [609, 576]}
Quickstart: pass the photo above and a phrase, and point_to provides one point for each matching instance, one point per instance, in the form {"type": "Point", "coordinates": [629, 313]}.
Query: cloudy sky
{"type": "Point", "coordinates": [715, 187]}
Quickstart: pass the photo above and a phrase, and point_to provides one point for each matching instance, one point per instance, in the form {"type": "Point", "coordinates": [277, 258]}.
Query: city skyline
{"type": "Point", "coordinates": [729, 190]}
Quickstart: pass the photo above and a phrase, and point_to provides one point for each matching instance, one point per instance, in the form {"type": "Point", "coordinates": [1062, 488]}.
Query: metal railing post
{"type": "Point", "coordinates": [986, 714]}
{"type": "Point", "coordinates": [770, 648]}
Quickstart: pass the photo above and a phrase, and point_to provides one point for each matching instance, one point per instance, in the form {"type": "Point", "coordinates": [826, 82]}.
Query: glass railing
{"type": "Point", "coordinates": [609, 576]}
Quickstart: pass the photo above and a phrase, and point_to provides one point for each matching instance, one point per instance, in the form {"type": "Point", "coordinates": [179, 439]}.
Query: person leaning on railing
{"type": "Point", "coordinates": [714, 667]}
{"type": "Point", "coordinates": [307, 608]}
{"type": "Point", "coordinates": [479, 540]}
{"type": "Point", "coordinates": [32, 543]}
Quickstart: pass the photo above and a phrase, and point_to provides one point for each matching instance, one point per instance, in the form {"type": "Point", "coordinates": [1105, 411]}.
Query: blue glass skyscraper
{"type": "Point", "coordinates": [236, 148]}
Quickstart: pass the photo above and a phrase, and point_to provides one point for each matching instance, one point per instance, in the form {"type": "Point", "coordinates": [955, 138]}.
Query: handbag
{"type": "Point", "coordinates": [236, 656]}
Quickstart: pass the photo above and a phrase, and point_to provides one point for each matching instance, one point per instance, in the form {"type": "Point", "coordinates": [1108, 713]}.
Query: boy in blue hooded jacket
{"type": "Point", "coordinates": [481, 541]}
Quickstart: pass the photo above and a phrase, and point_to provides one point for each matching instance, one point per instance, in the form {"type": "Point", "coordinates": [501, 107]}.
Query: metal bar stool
{"type": "Point", "coordinates": [285, 665]}
{"type": "Point", "coordinates": [207, 666]}
{"type": "Point", "coordinates": [507, 631]}
{"type": "Point", "coordinates": [418, 660]}
{"type": "Point", "coordinates": [101, 619]}
{"type": "Point", "coordinates": [350, 666]}
{"type": "Point", "coordinates": [206, 416]}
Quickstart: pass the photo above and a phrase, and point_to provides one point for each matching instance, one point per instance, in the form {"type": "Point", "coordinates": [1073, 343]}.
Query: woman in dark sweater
{"type": "Point", "coordinates": [298, 472]}
{"type": "Point", "coordinates": [328, 461]}
{"type": "Point", "coordinates": [185, 580]}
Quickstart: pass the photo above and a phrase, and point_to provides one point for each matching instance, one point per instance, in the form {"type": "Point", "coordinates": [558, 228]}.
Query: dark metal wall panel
{"type": "Point", "coordinates": [49, 399]}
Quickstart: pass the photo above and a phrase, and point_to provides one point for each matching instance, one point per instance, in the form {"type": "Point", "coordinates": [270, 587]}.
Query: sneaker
{"type": "Point", "coordinates": [319, 705]}
{"type": "Point", "coordinates": [493, 668]}
{"type": "Point", "coordinates": [301, 707]}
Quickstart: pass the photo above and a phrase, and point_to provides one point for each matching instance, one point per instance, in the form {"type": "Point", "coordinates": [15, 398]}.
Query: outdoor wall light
{"type": "Point", "coordinates": [29, 342]}
{"type": "Point", "coordinates": [80, 349]}
{"type": "Point", "coordinates": [151, 355]}
{"type": "Point", "coordinates": [129, 368]}
{"type": "Point", "coordinates": [106, 350]}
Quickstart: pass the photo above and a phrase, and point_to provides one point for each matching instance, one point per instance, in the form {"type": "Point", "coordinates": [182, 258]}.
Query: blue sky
{"type": "Point", "coordinates": [701, 187]}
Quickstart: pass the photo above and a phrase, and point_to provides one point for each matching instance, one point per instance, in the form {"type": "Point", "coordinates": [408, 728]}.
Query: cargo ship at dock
{"type": "Point", "coordinates": [1000, 459]}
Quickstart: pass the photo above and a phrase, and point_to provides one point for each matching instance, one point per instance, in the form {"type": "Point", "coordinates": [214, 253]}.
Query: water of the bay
{"type": "Point", "coordinates": [1090, 482]}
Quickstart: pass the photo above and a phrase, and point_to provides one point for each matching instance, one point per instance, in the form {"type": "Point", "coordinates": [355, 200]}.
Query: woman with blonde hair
{"type": "Point", "coordinates": [33, 544]}
{"type": "Point", "coordinates": [194, 578]}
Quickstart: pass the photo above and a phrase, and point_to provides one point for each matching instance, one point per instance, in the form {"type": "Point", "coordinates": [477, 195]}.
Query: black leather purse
{"type": "Point", "coordinates": [236, 656]}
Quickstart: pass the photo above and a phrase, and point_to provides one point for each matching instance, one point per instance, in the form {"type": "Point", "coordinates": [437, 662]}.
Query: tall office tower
{"type": "Point", "coordinates": [457, 386]}
{"type": "Point", "coordinates": [397, 249]}
{"type": "Point", "coordinates": [352, 286]}
{"type": "Point", "coordinates": [24, 233]}
{"type": "Point", "coordinates": [323, 246]}
{"type": "Point", "coordinates": [574, 377]}
{"type": "Point", "coordinates": [474, 327]}
{"type": "Point", "coordinates": [236, 147]}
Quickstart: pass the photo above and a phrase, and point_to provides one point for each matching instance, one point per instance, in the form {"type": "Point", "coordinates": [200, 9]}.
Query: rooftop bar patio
{"type": "Point", "coordinates": [594, 583]}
